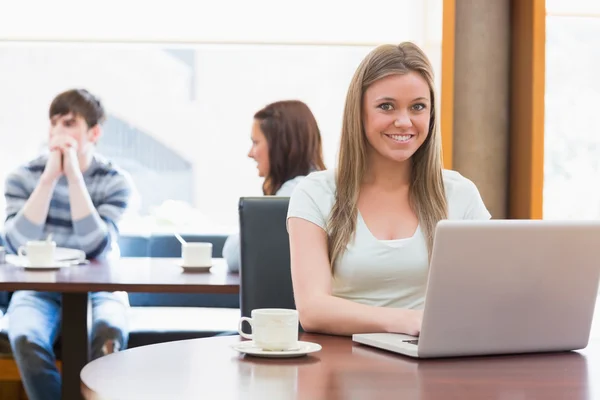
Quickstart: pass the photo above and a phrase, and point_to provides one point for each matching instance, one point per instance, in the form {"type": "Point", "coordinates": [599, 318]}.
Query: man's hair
{"type": "Point", "coordinates": [80, 102]}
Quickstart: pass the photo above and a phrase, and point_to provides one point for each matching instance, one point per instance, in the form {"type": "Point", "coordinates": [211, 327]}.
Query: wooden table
{"type": "Point", "coordinates": [209, 368]}
{"type": "Point", "coordinates": [153, 275]}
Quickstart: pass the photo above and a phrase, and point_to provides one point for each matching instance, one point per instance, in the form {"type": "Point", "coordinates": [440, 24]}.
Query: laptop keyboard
{"type": "Point", "coordinates": [412, 341]}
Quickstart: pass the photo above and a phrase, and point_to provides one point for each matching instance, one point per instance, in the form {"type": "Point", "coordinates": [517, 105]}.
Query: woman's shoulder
{"type": "Point", "coordinates": [319, 182]}
{"type": "Point", "coordinates": [288, 186]}
{"type": "Point", "coordinates": [313, 197]}
{"type": "Point", "coordinates": [455, 182]}
{"type": "Point", "coordinates": [464, 199]}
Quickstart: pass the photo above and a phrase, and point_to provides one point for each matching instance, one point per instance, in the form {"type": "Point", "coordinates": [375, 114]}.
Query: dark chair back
{"type": "Point", "coordinates": [265, 277]}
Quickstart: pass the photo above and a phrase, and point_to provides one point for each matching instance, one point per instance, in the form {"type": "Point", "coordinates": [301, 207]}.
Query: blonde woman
{"type": "Point", "coordinates": [361, 235]}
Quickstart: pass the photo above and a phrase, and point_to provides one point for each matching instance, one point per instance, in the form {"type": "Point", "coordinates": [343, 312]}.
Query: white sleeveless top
{"type": "Point", "coordinates": [385, 273]}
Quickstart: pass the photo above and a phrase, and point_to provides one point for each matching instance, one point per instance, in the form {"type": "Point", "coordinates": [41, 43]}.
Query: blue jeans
{"type": "Point", "coordinates": [34, 325]}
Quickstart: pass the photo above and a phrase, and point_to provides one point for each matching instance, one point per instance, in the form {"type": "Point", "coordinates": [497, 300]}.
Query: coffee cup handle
{"type": "Point", "coordinates": [21, 251]}
{"type": "Point", "coordinates": [240, 331]}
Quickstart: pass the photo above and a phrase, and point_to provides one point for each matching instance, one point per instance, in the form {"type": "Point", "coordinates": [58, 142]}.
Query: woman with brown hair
{"type": "Point", "coordinates": [361, 235]}
{"type": "Point", "coordinates": [286, 145]}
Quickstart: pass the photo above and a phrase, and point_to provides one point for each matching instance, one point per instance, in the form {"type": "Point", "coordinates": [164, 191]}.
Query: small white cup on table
{"type": "Point", "coordinates": [38, 252]}
{"type": "Point", "coordinates": [196, 254]}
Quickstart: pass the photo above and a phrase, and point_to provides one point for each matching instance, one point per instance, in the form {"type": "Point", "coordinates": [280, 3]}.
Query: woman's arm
{"type": "Point", "coordinates": [322, 312]}
{"type": "Point", "coordinates": [231, 252]}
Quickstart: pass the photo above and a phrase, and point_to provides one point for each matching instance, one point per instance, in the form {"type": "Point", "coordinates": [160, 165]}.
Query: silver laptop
{"type": "Point", "coordinates": [505, 287]}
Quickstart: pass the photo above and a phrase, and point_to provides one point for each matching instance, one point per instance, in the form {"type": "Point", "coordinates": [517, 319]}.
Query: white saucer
{"type": "Point", "coordinates": [195, 268]}
{"type": "Point", "coordinates": [58, 264]}
{"type": "Point", "coordinates": [55, 265]}
{"type": "Point", "coordinates": [248, 347]}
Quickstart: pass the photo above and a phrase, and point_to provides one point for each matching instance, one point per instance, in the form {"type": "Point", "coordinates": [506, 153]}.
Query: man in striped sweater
{"type": "Point", "coordinates": [78, 197]}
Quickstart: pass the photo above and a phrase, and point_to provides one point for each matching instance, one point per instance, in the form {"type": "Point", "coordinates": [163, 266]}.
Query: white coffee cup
{"type": "Point", "coordinates": [274, 329]}
{"type": "Point", "coordinates": [196, 254]}
{"type": "Point", "coordinates": [38, 252]}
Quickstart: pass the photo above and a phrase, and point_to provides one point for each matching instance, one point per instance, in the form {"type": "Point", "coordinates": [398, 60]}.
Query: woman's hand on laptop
{"type": "Point", "coordinates": [405, 321]}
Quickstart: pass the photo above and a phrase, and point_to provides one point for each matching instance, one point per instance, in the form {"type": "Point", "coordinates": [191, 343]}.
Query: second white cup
{"type": "Point", "coordinates": [196, 254]}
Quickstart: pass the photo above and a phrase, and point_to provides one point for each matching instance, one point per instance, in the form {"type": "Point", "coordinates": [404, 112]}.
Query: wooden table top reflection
{"type": "Point", "coordinates": [133, 274]}
{"type": "Point", "coordinates": [210, 368]}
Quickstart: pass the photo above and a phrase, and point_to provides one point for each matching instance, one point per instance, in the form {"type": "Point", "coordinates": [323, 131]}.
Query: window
{"type": "Point", "coordinates": [572, 129]}
{"type": "Point", "coordinates": [180, 113]}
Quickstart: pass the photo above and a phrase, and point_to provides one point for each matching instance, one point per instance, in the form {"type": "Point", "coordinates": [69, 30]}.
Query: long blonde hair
{"type": "Point", "coordinates": [427, 195]}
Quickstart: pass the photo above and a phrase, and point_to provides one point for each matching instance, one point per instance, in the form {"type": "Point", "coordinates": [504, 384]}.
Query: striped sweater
{"type": "Point", "coordinates": [109, 188]}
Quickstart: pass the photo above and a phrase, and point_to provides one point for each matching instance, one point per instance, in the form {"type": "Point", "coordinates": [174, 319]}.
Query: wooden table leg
{"type": "Point", "coordinates": [75, 349]}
